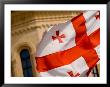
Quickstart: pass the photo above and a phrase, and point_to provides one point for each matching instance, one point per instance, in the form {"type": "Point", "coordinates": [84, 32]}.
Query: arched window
{"type": "Point", "coordinates": [26, 63]}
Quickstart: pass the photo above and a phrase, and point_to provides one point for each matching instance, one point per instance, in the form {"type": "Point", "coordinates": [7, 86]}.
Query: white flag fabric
{"type": "Point", "coordinates": [70, 49]}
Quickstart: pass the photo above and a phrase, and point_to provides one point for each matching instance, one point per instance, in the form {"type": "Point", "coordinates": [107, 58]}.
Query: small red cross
{"type": "Point", "coordinates": [72, 75]}
{"type": "Point", "coordinates": [58, 37]}
{"type": "Point", "coordinates": [98, 15]}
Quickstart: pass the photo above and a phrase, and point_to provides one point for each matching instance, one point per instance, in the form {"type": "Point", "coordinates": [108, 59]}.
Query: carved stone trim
{"type": "Point", "coordinates": [23, 16]}
{"type": "Point", "coordinates": [24, 30]}
{"type": "Point", "coordinates": [28, 29]}
{"type": "Point", "coordinates": [43, 20]}
{"type": "Point", "coordinates": [39, 22]}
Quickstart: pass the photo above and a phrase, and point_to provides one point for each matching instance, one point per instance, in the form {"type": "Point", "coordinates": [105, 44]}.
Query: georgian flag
{"type": "Point", "coordinates": [70, 49]}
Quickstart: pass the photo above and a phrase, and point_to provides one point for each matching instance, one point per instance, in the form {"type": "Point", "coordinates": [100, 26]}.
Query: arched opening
{"type": "Point", "coordinates": [26, 63]}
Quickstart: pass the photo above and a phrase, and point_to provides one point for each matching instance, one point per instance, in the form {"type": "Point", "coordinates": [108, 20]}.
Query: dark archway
{"type": "Point", "coordinates": [26, 63]}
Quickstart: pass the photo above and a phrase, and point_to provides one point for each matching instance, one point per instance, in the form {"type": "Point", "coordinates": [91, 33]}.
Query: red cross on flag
{"type": "Point", "coordinates": [72, 48]}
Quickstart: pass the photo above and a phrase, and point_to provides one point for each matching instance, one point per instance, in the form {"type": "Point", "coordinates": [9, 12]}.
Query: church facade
{"type": "Point", "coordinates": [27, 30]}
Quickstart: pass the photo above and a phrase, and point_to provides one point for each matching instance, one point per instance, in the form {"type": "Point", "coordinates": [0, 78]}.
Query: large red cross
{"type": "Point", "coordinates": [84, 47]}
{"type": "Point", "coordinates": [58, 37]}
{"type": "Point", "coordinates": [85, 42]}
